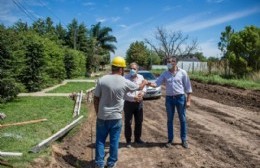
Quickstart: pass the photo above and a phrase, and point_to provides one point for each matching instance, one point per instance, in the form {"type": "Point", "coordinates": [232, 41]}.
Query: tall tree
{"type": "Point", "coordinates": [91, 56]}
{"type": "Point", "coordinates": [8, 87]}
{"type": "Point", "coordinates": [74, 62]}
{"type": "Point", "coordinates": [138, 53]}
{"type": "Point", "coordinates": [20, 26]}
{"type": "Point", "coordinates": [32, 75]}
{"type": "Point", "coordinates": [72, 35]}
{"type": "Point", "coordinates": [49, 28]}
{"type": "Point", "coordinates": [82, 38]}
{"type": "Point", "coordinates": [200, 56]}
{"type": "Point", "coordinates": [39, 26]}
{"type": "Point", "coordinates": [223, 46]}
{"type": "Point", "coordinates": [171, 43]}
{"type": "Point", "coordinates": [251, 44]}
{"type": "Point", "coordinates": [61, 33]}
{"type": "Point", "coordinates": [244, 46]}
{"type": "Point", "coordinates": [225, 39]}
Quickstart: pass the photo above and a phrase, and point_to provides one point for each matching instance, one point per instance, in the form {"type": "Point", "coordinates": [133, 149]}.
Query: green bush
{"type": "Point", "coordinates": [74, 62]}
{"type": "Point", "coordinates": [8, 90]}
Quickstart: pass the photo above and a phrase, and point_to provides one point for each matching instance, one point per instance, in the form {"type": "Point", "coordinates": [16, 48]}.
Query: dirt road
{"type": "Point", "coordinates": [223, 131]}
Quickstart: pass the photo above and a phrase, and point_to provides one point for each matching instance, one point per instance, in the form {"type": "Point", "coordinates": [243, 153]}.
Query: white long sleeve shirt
{"type": "Point", "coordinates": [138, 80]}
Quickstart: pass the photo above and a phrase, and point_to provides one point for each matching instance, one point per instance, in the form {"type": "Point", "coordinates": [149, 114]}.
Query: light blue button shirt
{"type": "Point", "coordinates": [175, 84]}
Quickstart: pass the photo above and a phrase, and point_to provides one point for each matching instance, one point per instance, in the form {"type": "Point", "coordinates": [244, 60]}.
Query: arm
{"type": "Point", "coordinates": [97, 96]}
{"type": "Point", "coordinates": [142, 85]}
{"type": "Point", "coordinates": [187, 89]}
{"type": "Point", "coordinates": [96, 103]}
{"type": "Point", "coordinates": [158, 82]}
{"type": "Point", "coordinates": [188, 102]}
{"type": "Point", "coordinates": [143, 91]}
{"type": "Point", "coordinates": [152, 84]}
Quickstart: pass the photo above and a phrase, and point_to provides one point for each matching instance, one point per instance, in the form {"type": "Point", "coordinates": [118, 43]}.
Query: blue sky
{"type": "Point", "coordinates": [135, 20]}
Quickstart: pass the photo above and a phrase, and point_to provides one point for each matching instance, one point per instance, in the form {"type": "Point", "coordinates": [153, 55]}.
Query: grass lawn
{"type": "Point", "coordinates": [73, 87]}
{"type": "Point", "coordinates": [58, 112]}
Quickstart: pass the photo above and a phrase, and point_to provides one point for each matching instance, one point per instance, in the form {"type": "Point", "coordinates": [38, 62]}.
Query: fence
{"type": "Point", "coordinates": [187, 66]}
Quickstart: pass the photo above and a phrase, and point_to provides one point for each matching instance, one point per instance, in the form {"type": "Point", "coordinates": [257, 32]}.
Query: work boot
{"type": "Point", "coordinates": [184, 144]}
{"type": "Point", "coordinates": [139, 141]}
{"type": "Point", "coordinates": [168, 144]}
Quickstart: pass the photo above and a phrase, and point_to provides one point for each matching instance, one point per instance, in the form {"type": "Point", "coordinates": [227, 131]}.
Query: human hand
{"type": "Point", "coordinates": [187, 104]}
{"type": "Point", "coordinates": [152, 84]}
{"type": "Point", "coordinates": [145, 82]}
{"type": "Point", "coordinates": [140, 94]}
{"type": "Point", "coordinates": [139, 97]}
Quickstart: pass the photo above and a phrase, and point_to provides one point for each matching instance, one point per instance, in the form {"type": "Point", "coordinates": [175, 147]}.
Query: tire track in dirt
{"type": "Point", "coordinates": [227, 143]}
{"type": "Point", "coordinates": [244, 119]}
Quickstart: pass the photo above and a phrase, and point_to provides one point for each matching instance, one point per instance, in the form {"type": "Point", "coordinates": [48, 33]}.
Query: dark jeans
{"type": "Point", "coordinates": [133, 109]}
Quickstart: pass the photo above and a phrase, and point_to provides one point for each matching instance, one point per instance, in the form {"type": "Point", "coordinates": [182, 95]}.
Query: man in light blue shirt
{"type": "Point", "coordinates": [178, 86]}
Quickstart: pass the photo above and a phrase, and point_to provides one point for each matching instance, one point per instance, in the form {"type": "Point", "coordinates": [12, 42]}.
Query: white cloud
{"type": "Point", "coordinates": [115, 19]}
{"type": "Point", "coordinates": [88, 4]}
{"type": "Point", "coordinates": [167, 8]}
{"type": "Point", "coordinates": [127, 29]}
{"type": "Point", "coordinates": [210, 48]}
{"type": "Point", "coordinates": [191, 23]}
{"type": "Point", "coordinates": [101, 20]}
{"type": "Point", "coordinates": [123, 26]}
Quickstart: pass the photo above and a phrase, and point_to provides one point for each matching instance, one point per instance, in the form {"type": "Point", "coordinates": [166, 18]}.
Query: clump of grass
{"type": "Point", "coordinates": [217, 79]}
{"type": "Point", "coordinates": [255, 77]}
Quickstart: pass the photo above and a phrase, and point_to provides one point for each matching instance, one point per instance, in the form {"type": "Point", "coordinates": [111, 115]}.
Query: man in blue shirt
{"type": "Point", "coordinates": [178, 86]}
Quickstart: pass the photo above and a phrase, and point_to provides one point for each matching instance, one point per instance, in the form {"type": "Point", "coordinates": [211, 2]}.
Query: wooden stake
{"type": "Point", "coordinates": [23, 123]}
{"type": "Point", "coordinates": [79, 104]}
{"type": "Point", "coordinates": [10, 154]}
{"type": "Point", "coordinates": [76, 106]}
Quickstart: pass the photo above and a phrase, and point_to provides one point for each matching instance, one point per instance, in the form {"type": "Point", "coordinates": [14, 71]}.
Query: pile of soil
{"type": "Point", "coordinates": [249, 99]}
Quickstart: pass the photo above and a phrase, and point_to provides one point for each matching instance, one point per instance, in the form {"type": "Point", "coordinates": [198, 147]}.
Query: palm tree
{"type": "Point", "coordinates": [103, 38]}
{"type": "Point", "coordinates": [100, 44]}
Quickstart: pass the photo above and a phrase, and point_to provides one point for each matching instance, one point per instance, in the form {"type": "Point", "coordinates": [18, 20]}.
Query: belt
{"type": "Point", "coordinates": [134, 102]}
{"type": "Point", "coordinates": [179, 95]}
